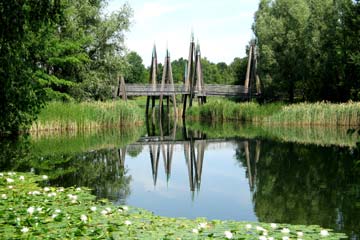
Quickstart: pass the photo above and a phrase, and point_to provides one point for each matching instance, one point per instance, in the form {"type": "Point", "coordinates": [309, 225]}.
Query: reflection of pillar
{"type": "Point", "coordinates": [200, 160]}
{"type": "Point", "coordinates": [189, 164]}
{"type": "Point", "coordinates": [167, 150]}
{"type": "Point", "coordinates": [247, 156]}
{"type": "Point", "coordinates": [154, 157]}
{"type": "Point", "coordinates": [122, 154]}
{"type": "Point", "coordinates": [257, 157]}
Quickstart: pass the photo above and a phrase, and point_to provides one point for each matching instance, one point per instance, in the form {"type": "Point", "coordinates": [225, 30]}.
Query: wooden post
{"type": "Point", "coordinates": [152, 80]}
{"type": "Point", "coordinates": [247, 79]}
{"type": "Point", "coordinates": [123, 88]}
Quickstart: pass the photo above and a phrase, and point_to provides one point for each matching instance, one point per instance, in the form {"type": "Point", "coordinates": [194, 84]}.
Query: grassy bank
{"type": "Point", "coordinates": [87, 115]}
{"type": "Point", "coordinates": [302, 114]}
{"type": "Point", "coordinates": [30, 211]}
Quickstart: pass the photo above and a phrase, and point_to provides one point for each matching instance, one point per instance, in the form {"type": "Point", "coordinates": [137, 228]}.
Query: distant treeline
{"type": "Point", "coordinates": [309, 49]}
{"type": "Point", "coordinates": [215, 73]}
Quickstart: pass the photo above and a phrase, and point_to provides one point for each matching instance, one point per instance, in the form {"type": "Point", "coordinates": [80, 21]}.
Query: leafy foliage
{"type": "Point", "coordinates": [51, 212]}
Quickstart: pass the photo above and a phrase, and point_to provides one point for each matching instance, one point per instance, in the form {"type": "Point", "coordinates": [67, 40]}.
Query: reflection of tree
{"type": "Point", "coordinates": [101, 170]}
{"type": "Point", "coordinates": [304, 184]}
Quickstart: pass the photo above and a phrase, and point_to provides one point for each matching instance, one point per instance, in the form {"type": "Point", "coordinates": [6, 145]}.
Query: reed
{"type": "Point", "coordinates": [302, 114]}
{"type": "Point", "coordinates": [59, 116]}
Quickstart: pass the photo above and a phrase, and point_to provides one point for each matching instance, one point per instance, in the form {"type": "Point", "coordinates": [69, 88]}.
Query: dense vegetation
{"type": "Point", "coordinates": [309, 49]}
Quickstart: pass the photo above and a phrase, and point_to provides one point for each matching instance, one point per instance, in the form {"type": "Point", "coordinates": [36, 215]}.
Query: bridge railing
{"type": "Point", "coordinates": [170, 89]}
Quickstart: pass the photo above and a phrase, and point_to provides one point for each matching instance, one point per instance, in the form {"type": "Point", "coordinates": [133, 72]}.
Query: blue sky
{"type": "Point", "coordinates": [223, 28]}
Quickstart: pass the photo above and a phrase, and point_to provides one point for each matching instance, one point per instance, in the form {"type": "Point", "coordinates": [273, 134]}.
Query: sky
{"type": "Point", "coordinates": [223, 28]}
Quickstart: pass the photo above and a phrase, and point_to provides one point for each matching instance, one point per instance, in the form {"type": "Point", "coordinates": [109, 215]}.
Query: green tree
{"type": "Point", "coordinates": [136, 72]}
{"type": "Point", "coordinates": [21, 94]}
{"type": "Point", "coordinates": [238, 69]}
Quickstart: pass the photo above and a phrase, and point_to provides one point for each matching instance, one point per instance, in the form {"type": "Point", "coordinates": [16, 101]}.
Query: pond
{"type": "Point", "coordinates": [229, 172]}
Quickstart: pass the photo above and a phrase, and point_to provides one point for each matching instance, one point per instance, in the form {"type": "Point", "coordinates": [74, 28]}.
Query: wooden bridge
{"type": "Point", "coordinates": [193, 85]}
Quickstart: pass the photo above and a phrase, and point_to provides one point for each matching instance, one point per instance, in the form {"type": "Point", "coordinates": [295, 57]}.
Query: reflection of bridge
{"type": "Point", "coordinates": [194, 146]}
{"type": "Point", "coordinates": [193, 85]}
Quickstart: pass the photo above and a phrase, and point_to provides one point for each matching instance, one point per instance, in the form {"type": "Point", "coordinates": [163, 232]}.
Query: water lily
{"type": "Point", "coordinates": [195, 231]}
{"type": "Point", "coordinates": [54, 216]}
{"type": "Point", "coordinates": [39, 209]}
{"type": "Point", "coordinates": [285, 230]}
{"type": "Point", "coordinates": [52, 194]}
{"type": "Point", "coordinates": [108, 209]}
{"type": "Point", "coordinates": [285, 238]}
{"type": "Point", "coordinates": [273, 225]}
{"type": "Point", "coordinates": [127, 222]}
{"type": "Point", "coordinates": [10, 187]}
{"type": "Point", "coordinates": [57, 210]}
{"type": "Point", "coordinates": [324, 233]}
{"type": "Point", "coordinates": [22, 178]}
{"type": "Point", "coordinates": [228, 234]}
{"type": "Point", "coordinates": [78, 189]}
{"type": "Point", "coordinates": [93, 209]}
{"type": "Point", "coordinates": [104, 212]}
{"type": "Point", "coordinates": [270, 238]}
{"type": "Point", "coordinates": [125, 208]}
{"type": "Point", "coordinates": [60, 189]}
{"type": "Point", "coordinates": [24, 230]}
{"type": "Point", "coordinates": [31, 210]}
{"type": "Point", "coordinates": [1, 174]}
{"type": "Point", "coordinates": [9, 180]}
{"type": "Point", "coordinates": [46, 189]}
{"type": "Point", "coordinates": [300, 234]}
{"type": "Point", "coordinates": [45, 177]}
{"type": "Point", "coordinates": [83, 218]}
{"type": "Point", "coordinates": [202, 225]}
{"type": "Point", "coordinates": [248, 226]}
{"type": "Point", "coordinates": [260, 228]}
{"type": "Point", "coordinates": [11, 173]}
{"type": "Point", "coordinates": [262, 238]}
{"type": "Point", "coordinates": [4, 196]}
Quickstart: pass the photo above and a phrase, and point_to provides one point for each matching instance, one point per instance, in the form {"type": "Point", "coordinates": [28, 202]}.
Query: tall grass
{"type": "Point", "coordinates": [302, 114]}
{"type": "Point", "coordinates": [87, 115]}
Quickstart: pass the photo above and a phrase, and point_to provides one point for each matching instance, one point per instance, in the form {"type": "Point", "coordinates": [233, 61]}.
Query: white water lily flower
{"type": "Point", "coordinates": [60, 189]}
{"type": "Point", "coordinates": [78, 189]}
{"type": "Point", "coordinates": [202, 225]}
{"type": "Point", "coordinates": [285, 238]}
{"type": "Point", "coordinates": [45, 177]}
{"type": "Point", "coordinates": [125, 208]}
{"type": "Point", "coordinates": [93, 209]}
{"type": "Point", "coordinates": [285, 230]}
{"type": "Point", "coordinates": [83, 218]}
{"type": "Point", "coordinates": [72, 197]}
{"type": "Point", "coordinates": [260, 228]}
{"type": "Point", "coordinates": [248, 226]}
{"type": "Point", "coordinates": [9, 180]}
{"type": "Point", "coordinates": [228, 234]}
{"type": "Point", "coordinates": [1, 174]}
{"type": "Point", "coordinates": [11, 173]}
{"type": "Point", "coordinates": [57, 210]}
{"type": "Point", "coordinates": [24, 230]}
{"type": "Point", "coordinates": [270, 238]}
{"type": "Point", "coordinates": [108, 209]}
{"type": "Point", "coordinates": [4, 196]}
{"type": "Point", "coordinates": [127, 222]}
{"type": "Point", "coordinates": [39, 209]}
{"type": "Point", "coordinates": [195, 231]}
{"type": "Point", "coordinates": [273, 225]}
{"type": "Point", "coordinates": [31, 210]}
{"type": "Point", "coordinates": [46, 189]}
{"type": "Point", "coordinates": [104, 212]}
{"type": "Point", "coordinates": [22, 178]}
{"type": "Point", "coordinates": [262, 238]}
{"type": "Point", "coordinates": [300, 234]}
{"type": "Point", "coordinates": [18, 219]}
{"type": "Point", "coordinates": [265, 233]}
{"type": "Point", "coordinates": [324, 233]}
{"type": "Point", "coordinates": [54, 216]}
{"type": "Point", "coordinates": [52, 194]}
{"type": "Point", "coordinates": [10, 187]}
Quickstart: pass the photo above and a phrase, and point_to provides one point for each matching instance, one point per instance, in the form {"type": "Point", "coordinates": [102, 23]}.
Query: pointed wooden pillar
{"type": "Point", "coordinates": [188, 85]}
{"type": "Point", "coordinates": [247, 79]}
{"type": "Point", "coordinates": [199, 85]}
{"type": "Point", "coordinates": [123, 88]}
{"type": "Point", "coordinates": [167, 83]}
{"type": "Point", "coordinates": [152, 81]}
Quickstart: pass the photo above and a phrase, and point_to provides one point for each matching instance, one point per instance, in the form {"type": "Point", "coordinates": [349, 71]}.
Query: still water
{"type": "Point", "coordinates": [246, 174]}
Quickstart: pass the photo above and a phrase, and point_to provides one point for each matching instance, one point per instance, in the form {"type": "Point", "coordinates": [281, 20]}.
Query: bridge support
{"type": "Point", "coordinates": [251, 73]}
{"type": "Point", "coordinates": [194, 81]}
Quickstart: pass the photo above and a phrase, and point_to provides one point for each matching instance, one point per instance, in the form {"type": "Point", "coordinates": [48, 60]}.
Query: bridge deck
{"type": "Point", "coordinates": [177, 89]}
